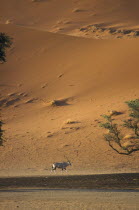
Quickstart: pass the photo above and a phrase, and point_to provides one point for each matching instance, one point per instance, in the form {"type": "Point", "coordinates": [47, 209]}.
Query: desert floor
{"type": "Point", "coordinates": [73, 199]}
{"type": "Point", "coordinates": [109, 191]}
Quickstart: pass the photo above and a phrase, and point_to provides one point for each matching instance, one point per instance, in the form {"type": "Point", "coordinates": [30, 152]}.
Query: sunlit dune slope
{"type": "Point", "coordinates": [54, 88]}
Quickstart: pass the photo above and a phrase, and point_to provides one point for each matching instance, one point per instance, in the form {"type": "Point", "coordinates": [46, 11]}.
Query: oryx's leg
{"type": "Point", "coordinates": [53, 168]}
{"type": "Point", "coordinates": [64, 169]}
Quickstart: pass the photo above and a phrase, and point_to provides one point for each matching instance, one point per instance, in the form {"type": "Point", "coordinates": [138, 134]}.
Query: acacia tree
{"type": "Point", "coordinates": [5, 42]}
{"type": "Point", "coordinates": [133, 121]}
{"type": "Point", "coordinates": [114, 136]}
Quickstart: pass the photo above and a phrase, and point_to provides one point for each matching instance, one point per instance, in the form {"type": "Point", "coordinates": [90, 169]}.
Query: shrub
{"type": "Point", "coordinates": [5, 42]}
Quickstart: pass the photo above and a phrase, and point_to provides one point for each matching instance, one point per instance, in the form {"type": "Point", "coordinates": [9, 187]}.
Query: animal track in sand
{"type": "Point", "coordinates": [44, 85]}
{"type": "Point", "coordinates": [30, 100]}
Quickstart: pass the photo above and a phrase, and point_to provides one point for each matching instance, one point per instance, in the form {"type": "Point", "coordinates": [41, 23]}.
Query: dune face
{"type": "Point", "coordinates": [70, 16]}
{"type": "Point", "coordinates": [54, 86]}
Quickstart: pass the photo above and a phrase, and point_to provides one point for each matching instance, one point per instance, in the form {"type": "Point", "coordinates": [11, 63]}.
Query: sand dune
{"type": "Point", "coordinates": [54, 78]}
{"type": "Point", "coordinates": [68, 16]}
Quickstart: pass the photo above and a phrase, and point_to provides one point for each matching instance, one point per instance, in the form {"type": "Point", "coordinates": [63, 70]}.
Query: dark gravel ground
{"type": "Point", "coordinates": [124, 181]}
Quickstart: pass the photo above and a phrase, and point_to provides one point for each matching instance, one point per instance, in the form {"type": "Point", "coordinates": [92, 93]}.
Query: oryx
{"type": "Point", "coordinates": [62, 165]}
